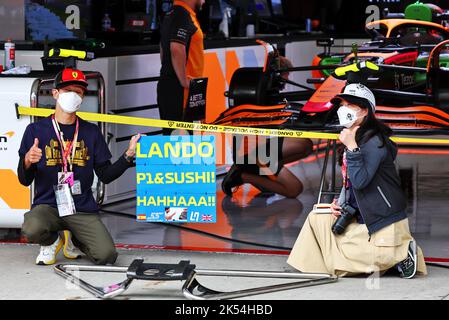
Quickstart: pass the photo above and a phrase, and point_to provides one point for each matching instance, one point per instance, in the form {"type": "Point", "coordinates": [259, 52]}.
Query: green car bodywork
{"type": "Point", "coordinates": [326, 61]}
{"type": "Point", "coordinates": [421, 62]}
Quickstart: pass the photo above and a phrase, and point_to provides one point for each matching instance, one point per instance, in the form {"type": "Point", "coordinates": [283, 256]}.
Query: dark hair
{"type": "Point", "coordinates": [370, 127]}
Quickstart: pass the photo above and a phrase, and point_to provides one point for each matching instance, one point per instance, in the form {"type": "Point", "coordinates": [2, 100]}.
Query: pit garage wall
{"type": "Point", "coordinates": [14, 198]}
{"type": "Point", "coordinates": [301, 54]}
{"type": "Point", "coordinates": [130, 90]}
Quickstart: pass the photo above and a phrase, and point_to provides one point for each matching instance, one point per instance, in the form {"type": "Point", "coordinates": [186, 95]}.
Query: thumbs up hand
{"type": "Point", "coordinates": [34, 155]}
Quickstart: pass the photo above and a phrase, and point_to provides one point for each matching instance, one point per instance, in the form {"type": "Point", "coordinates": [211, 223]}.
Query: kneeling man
{"type": "Point", "coordinates": [60, 154]}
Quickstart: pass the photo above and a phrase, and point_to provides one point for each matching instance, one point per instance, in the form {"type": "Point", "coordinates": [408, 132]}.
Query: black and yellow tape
{"type": "Point", "coordinates": [69, 53]}
{"type": "Point", "coordinates": [157, 123]}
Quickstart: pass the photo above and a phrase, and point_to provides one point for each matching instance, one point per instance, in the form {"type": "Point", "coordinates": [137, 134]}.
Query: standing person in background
{"type": "Point", "coordinates": [182, 58]}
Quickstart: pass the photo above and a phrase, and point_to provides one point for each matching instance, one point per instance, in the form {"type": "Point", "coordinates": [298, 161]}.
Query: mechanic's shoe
{"type": "Point", "coordinates": [70, 251]}
{"type": "Point", "coordinates": [407, 267]}
{"type": "Point", "coordinates": [232, 179]}
{"type": "Point", "coordinates": [47, 254]}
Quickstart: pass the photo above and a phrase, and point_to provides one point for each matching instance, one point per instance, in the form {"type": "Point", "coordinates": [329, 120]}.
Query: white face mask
{"type": "Point", "coordinates": [346, 116]}
{"type": "Point", "coordinates": [70, 102]}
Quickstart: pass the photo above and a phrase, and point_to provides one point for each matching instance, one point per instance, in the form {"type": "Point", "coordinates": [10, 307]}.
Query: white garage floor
{"type": "Point", "coordinates": [22, 279]}
{"type": "Point", "coordinates": [273, 223]}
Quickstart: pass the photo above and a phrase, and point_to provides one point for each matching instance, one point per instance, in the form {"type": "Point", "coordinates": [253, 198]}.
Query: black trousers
{"type": "Point", "coordinates": [170, 100]}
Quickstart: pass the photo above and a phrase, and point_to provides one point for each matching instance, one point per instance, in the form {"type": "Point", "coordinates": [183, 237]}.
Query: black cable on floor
{"type": "Point", "coordinates": [204, 233]}
{"type": "Point", "coordinates": [433, 264]}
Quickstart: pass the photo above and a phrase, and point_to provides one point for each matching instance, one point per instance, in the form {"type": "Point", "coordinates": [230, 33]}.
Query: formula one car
{"type": "Point", "coordinates": [405, 65]}
{"type": "Point", "coordinates": [399, 39]}
{"type": "Point", "coordinates": [255, 98]}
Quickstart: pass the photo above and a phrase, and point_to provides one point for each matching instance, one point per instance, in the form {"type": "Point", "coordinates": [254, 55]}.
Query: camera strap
{"type": "Point", "coordinates": [344, 171]}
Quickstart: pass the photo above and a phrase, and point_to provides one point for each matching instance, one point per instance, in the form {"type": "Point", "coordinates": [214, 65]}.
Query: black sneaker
{"type": "Point", "coordinates": [407, 267]}
{"type": "Point", "coordinates": [232, 179]}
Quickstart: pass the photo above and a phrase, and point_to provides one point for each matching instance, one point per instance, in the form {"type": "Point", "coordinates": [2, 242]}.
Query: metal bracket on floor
{"type": "Point", "coordinates": [192, 289]}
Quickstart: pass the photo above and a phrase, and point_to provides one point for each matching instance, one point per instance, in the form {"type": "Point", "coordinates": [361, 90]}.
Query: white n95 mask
{"type": "Point", "coordinates": [70, 102]}
{"type": "Point", "coordinates": [346, 116]}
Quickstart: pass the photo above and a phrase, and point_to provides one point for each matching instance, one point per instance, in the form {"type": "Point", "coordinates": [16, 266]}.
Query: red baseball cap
{"type": "Point", "coordinates": [69, 77]}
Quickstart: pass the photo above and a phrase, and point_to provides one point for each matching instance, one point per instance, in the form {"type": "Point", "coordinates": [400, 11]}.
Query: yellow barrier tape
{"type": "Point", "coordinates": [157, 123]}
{"type": "Point", "coordinates": [109, 118]}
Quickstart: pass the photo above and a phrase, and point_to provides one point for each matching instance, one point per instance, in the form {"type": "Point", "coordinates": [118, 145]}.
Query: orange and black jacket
{"type": "Point", "coordinates": [181, 25]}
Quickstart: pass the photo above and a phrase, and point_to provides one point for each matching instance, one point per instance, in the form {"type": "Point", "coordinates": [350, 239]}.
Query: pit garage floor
{"type": "Point", "coordinates": [273, 222]}
{"type": "Point", "coordinates": [256, 231]}
{"type": "Point", "coordinates": [21, 279]}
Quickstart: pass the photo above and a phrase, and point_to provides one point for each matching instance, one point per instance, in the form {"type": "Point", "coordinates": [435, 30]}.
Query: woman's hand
{"type": "Point", "coordinates": [335, 208]}
{"type": "Point", "coordinates": [347, 137]}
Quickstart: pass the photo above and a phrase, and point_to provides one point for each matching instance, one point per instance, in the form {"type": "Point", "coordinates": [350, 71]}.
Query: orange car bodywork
{"type": "Point", "coordinates": [391, 24]}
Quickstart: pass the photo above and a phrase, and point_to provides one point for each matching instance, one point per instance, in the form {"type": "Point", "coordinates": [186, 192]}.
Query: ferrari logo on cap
{"type": "Point", "coordinates": [75, 74]}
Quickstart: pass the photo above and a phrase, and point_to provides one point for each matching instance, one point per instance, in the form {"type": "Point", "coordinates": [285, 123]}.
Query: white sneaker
{"type": "Point", "coordinates": [47, 254]}
{"type": "Point", "coordinates": [70, 251]}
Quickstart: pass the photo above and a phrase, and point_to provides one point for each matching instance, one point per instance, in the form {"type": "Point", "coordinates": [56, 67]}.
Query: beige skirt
{"type": "Point", "coordinates": [318, 249]}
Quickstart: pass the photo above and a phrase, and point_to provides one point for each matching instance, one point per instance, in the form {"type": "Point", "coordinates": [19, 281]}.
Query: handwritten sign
{"type": "Point", "coordinates": [176, 180]}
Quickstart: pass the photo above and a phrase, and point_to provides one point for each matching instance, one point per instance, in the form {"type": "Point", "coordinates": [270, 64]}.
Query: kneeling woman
{"type": "Point", "coordinates": [376, 236]}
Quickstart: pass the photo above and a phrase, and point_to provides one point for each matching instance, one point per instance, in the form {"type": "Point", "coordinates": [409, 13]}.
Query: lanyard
{"type": "Point", "coordinates": [344, 171]}
{"type": "Point", "coordinates": [66, 149]}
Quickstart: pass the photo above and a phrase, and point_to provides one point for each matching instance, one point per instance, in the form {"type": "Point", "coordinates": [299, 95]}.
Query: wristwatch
{"type": "Point", "coordinates": [357, 149]}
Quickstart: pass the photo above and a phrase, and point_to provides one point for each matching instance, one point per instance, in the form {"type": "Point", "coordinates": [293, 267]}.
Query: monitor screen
{"type": "Point", "coordinates": [277, 8]}
{"type": "Point", "coordinates": [262, 8]}
{"type": "Point", "coordinates": [12, 20]}
{"type": "Point", "coordinates": [57, 19]}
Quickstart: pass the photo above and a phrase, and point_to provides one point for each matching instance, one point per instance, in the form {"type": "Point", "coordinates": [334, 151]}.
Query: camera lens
{"type": "Point", "coordinates": [345, 218]}
{"type": "Point", "coordinates": [337, 228]}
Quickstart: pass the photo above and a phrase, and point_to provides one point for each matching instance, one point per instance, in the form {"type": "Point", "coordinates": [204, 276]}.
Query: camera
{"type": "Point", "coordinates": [345, 218]}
